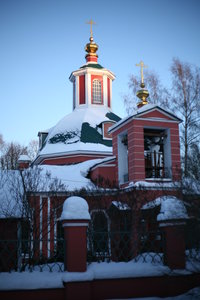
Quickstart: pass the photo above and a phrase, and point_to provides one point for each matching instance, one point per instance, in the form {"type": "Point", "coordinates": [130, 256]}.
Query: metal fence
{"type": "Point", "coordinates": [30, 255]}
{"type": "Point", "coordinates": [124, 246]}
{"type": "Point", "coordinates": [119, 241]}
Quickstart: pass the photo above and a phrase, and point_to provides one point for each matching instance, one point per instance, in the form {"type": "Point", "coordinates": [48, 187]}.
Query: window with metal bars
{"type": "Point", "coordinates": [154, 146]}
{"type": "Point", "coordinates": [96, 91]}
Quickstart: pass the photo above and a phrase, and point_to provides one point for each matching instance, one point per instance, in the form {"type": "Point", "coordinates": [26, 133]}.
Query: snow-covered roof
{"type": "Point", "coordinates": [10, 191]}
{"type": "Point", "coordinates": [171, 208]}
{"type": "Point", "coordinates": [152, 185]}
{"type": "Point", "coordinates": [41, 179]}
{"type": "Point", "coordinates": [79, 131]}
{"type": "Point", "coordinates": [120, 205]}
{"type": "Point", "coordinates": [24, 157]}
{"type": "Point", "coordinates": [73, 176]}
{"type": "Point", "coordinates": [144, 109]}
{"type": "Point", "coordinates": [44, 131]}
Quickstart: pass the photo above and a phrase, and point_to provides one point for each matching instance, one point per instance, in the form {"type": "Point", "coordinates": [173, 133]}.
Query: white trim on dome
{"type": "Point", "coordinates": [92, 71]}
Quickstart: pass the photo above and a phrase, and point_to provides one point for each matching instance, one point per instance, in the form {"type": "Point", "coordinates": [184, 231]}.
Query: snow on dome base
{"type": "Point", "coordinates": [75, 208]}
{"type": "Point", "coordinates": [79, 131]}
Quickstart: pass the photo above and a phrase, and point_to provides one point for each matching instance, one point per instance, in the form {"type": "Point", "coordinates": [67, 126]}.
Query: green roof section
{"type": "Point", "coordinates": [65, 137]}
{"type": "Point", "coordinates": [96, 66]}
{"type": "Point", "coordinates": [91, 135]}
{"type": "Point", "coordinates": [87, 133]}
{"type": "Point", "coordinates": [113, 117]}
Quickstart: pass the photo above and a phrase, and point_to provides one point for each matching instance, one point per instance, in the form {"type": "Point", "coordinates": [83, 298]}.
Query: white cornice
{"type": "Point", "coordinates": [92, 71]}
{"type": "Point", "coordinates": [70, 154]}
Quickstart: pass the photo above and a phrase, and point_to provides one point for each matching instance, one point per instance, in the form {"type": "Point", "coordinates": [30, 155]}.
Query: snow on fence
{"type": "Point", "coordinates": [111, 237]}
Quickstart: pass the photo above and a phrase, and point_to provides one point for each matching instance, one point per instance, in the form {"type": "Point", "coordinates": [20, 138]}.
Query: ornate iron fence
{"type": "Point", "coordinates": [29, 255]}
{"type": "Point", "coordinates": [124, 246]}
{"type": "Point", "coordinates": [119, 241]}
{"type": "Point", "coordinates": [144, 243]}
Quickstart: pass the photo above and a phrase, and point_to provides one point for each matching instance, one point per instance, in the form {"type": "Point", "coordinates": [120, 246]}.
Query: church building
{"type": "Point", "coordinates": [128, 162]}
{"type": "Point", "coordinates": [141, 147]}
{"type": "Point", "coordinates": [83, 134]}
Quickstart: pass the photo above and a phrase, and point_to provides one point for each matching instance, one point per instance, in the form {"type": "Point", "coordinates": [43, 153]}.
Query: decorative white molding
{"type": "Point", "coordinates": [77, 92]}
{"type": "Point", "coordinates": [75, 224]}
{"type": "Point", "coordinates": [41, 229]}
{"type": "Point", "coordinates": [171, 223]}
{"type": "Point", "coordinates": [110, 94]}
{"type": "Point", "coordinates": [105, 94]}
{"type": "Point", "coordinates": [49, 226]}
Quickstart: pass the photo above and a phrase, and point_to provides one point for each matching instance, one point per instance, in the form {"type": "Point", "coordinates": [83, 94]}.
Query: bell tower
{"type": "Point", "coordinates": [92, 83]}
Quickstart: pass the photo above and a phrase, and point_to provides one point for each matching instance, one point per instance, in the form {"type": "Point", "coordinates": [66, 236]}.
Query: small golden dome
{"type": "Point", "coordinates": [91, 48]}
{"type": "Point", "coordinates": [142, 94]}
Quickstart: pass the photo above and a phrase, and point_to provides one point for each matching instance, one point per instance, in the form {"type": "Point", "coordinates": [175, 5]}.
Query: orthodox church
{"type": "Point", "coordinates": [143, 147]}
{"type": "Point", "coordinates": [136, 160]}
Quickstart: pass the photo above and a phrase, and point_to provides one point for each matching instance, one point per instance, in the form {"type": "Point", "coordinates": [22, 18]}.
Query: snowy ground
{"type": "Point", "coordinates": [95, 271]}
{"type": "Point", "coordinates": [193, 294]}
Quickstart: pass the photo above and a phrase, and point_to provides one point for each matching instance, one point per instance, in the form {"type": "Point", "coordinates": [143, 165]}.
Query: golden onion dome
{"type": "Point", "coordinates": [143, 94]}
{"type": "Point", "coordinates": [91, 48]}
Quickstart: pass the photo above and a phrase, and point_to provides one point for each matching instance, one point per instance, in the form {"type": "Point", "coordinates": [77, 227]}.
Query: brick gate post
{"type": "Point", "coordinates": [174, 243]}
{"type": "Point", "coordinates": [75, 218]}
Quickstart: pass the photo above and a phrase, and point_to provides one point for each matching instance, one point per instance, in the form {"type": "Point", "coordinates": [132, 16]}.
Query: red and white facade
{"type": "Point", "coordinates": [92, 99]}
{"type": "Point", "coordinates": [136, 163]}
{"type": "Point", "coordinates": [88, 81]}
{"type": "Point", "coordinates": [92, 84]}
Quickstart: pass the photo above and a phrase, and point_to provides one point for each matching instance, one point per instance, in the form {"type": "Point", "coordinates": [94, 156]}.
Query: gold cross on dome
{"type": "Point", "coordinates": [142, 65]}
{"type": "Point", "coordinates": [91, 23]}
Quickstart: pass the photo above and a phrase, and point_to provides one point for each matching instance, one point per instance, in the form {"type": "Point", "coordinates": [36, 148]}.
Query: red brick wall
{"type": "Point", "coordinates": [107, 173]}
{"type": "Point", "coordinates": [82, 89]}
{"type": "Point", "coordinates": [136, 151]}
{"type": "Point", "coordinates": [123, 288]}
{"type": "Point", "coordinates": [156, 114]}
{"type": "Point", "coordinates": [70, 159]}
{"type": "Point", "coordinates": [108, 86]}
{"type": "Point", "coordinates": [8, 244]}
{"type": "Point", "coordinates": [106, 126]}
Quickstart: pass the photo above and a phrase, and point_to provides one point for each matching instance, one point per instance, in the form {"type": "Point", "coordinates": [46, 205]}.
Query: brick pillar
{"type": "Point", "coordinates": [23, 162]}
{"type": "Point", "coordinates": [75, 218]}
{"type": "Point", "coordinates": [174, 243]}
{"type": "Point", "coordinates": [75, 235]}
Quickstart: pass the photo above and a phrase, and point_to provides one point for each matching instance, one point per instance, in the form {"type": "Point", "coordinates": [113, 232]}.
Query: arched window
{"type": "Point", "coordinates": [99, 243]}
{"type": "Point", "coordinates": [96, 91]}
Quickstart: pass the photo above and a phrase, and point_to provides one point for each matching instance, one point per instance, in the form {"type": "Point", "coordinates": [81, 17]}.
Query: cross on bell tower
{"type": "Point", "coordinates": [142, 94]}
{"type": "Point", "coordinates": [141, 65]}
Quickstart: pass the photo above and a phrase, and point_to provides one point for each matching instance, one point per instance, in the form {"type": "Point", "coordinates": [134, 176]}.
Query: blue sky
{"type": "Point", "coordinates": [42, 42]}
